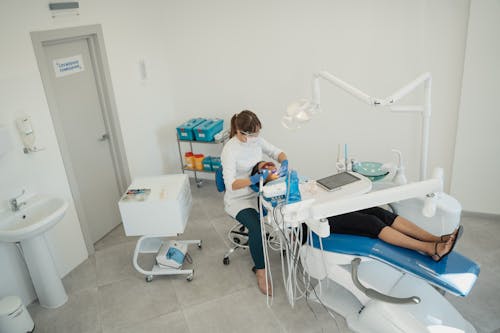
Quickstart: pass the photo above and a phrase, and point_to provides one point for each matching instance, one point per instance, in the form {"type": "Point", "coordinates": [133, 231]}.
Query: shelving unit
{"type": "Point", "coordinates": [199, 182]}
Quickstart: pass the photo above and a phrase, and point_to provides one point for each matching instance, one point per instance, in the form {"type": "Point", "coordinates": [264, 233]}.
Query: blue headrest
{"type": "Point", "coordinates": [219, 180]}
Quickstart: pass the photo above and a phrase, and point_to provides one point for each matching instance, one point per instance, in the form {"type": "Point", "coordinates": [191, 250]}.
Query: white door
{"type": "Point", "coordinates": [80, 114]}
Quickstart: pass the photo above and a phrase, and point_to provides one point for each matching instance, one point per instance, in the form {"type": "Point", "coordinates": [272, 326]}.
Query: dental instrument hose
{"type": "Point", "coordinates": [267, 265]}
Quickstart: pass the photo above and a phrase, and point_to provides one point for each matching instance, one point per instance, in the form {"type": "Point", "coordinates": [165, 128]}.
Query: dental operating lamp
{"type": "Point", "coordinates": [303, 110]}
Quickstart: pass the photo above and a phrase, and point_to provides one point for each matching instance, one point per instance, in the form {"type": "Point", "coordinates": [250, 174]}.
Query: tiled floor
{"type": "Point", "coordinates": [107, 295]}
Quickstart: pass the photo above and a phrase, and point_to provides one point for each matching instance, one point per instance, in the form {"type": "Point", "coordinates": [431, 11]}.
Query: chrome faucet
{"type": "Point", "coordinates": [15, 204]}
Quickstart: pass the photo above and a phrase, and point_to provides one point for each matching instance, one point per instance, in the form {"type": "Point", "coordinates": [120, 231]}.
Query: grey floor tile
{"type": "Point", "coordinates": [172, 322]}
{"type": "Point", "coordinates": [116, 236]}
{"type": "Point", "coordinates": [82, 277]}
{"type": "Point", "coordinates": [242, 311]}
{"type": "Point", "coordinates": [79, 315]}
{"type": "Point", "coordinates": [306, 315]}
{"type": "Point", "coordinates": [114, 263]}
{"type": "Point", "coordinates": [212, 279]}
{"type": "Point", "coordinates": [131, 301]}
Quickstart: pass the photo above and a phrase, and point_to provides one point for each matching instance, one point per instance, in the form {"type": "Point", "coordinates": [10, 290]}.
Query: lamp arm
{"type": "Point", "coordinates": [425, 111]}
{"type": "Point", "coordinates": [405, 90]}
{"type": "Point", "coordinates": [341, 84]}
{"type": "Point", "coordinates": [390, 101]}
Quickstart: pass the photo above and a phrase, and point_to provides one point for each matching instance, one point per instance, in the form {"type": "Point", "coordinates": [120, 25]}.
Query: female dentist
{"type": "Point", "coordinates": [239, 155]}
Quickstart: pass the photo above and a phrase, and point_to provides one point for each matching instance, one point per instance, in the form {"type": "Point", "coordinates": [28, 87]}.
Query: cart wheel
{"type": "Point", "coordinates": [225, 261]}
{"type": "Point", "coordinates": [199, 245]}
{"type": "Point", "coordinates": [149, 278]}
{"type": "Point", "coordinates": [190, 277]}
{"type": "Point", "coordinates": [199, 183]}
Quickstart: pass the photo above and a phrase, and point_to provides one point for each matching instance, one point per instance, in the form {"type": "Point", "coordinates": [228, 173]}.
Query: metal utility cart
{"type": "Point", "coordinates": [184, 167]}
{"type": "Point", "coordinates": [156, 208]}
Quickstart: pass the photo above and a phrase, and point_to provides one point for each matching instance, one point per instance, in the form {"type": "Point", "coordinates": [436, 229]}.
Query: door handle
{"type": "Point", "coordinates": [104, 137]}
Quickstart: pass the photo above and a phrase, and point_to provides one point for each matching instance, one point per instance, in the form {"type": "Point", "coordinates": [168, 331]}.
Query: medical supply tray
{"type": "Point", "coordinates": [207, 129]}
{"type": "Point", "coordinates": [185, 131]}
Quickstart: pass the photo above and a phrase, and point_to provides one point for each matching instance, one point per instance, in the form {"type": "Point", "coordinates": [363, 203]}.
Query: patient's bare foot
{"type": "Point", "coordinates": [261, 282]}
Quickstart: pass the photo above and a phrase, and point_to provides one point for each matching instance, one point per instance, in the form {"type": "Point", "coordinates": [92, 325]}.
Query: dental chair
{"type": "Point", "coordinates": [379, 287]}
{"type": "Point", "coordinates": [238, 234]}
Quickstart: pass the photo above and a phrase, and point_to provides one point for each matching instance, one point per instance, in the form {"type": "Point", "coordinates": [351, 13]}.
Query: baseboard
{"type": "Point", "coordinates": [495, 217]}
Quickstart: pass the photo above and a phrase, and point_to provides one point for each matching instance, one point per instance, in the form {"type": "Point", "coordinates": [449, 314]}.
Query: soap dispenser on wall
{"type": "Point", "coordinates": [27, 134]}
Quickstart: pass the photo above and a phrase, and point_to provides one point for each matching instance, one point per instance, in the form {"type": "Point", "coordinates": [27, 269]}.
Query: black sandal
{"type": "Point", "coordinates": [436, 252]}
{"type": "Point", "coordinates": [440, 257]}
{"type": "Point", "coordinates": [458, 233]}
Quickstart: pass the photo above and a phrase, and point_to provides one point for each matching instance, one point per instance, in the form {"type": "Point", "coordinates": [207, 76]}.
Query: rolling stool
{"type": "Point", "coordinates": [238, 234]}
{"type": "Point", "coordinates": [14, 317]}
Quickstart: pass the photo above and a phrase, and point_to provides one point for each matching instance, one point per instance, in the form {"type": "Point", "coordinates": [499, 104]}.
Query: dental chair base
{"type": "Point", "coordinates": [433, 314]}
{"type": "Point", "coordinates": [392, 277]}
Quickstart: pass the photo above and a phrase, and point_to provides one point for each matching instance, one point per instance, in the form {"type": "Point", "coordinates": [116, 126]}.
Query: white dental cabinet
{"type": "Point", "coordinates": [156, 208]}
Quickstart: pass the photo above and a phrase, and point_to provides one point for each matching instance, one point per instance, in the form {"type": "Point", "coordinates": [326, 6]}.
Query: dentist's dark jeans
{"type": "Point", "coordinates": [249, 217]}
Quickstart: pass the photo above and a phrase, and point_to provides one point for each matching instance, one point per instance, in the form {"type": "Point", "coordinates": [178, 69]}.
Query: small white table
{"type": "Point", "coordinates": [160, 210]}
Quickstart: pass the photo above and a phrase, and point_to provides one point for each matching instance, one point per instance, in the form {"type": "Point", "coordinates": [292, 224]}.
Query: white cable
{"type": "Point", "coordinates": [267, 269]}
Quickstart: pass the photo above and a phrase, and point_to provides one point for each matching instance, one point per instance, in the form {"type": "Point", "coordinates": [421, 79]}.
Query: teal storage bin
{"type": "Point", "coordinates": [206, 130]}
{"type": "Point", "coordinates": [207, 163]}
{"type": "Point", "coordinates": [185, 131]}
{"type": "Point", "coordinates": [216, 164]}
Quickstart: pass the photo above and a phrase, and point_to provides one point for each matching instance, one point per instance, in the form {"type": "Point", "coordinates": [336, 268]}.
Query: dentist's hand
{"type": "Point", "coordinates": [284, 168]}
{"type": "Point", "coordinates": [255, 178]}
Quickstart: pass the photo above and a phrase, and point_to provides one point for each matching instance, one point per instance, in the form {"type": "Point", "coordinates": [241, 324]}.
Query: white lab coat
{"type": "Point", "coordinates": [238, 158]}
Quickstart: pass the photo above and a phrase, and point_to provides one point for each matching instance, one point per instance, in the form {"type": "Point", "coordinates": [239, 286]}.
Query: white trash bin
{"type": "Point", "coordinates": [14, 317]}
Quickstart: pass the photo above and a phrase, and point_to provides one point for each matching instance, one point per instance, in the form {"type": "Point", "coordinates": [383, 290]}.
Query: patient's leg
{"type": "Point", "coordinates": [411, 229]}
{"type": "Point", "coordinates": [394, 237]}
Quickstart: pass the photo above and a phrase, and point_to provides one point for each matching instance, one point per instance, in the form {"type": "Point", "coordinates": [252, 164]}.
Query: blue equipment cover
{"type": "Point", "coordinates": [454, 273]}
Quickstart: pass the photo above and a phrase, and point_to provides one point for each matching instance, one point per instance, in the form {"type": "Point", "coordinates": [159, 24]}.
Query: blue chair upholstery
{"type": "Point", "coordinates": [455, 273]}
{"type": "Point", "coordinates": [219, 180]}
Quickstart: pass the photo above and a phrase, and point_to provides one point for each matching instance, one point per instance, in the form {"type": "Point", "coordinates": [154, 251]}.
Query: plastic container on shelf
{"type": "Point", "coordinates": [185, 130]}
{"type": "Point", "coordinates": [189, 160]}
{"type": "Point", "coordinates": [207, 130]}
{"type": "Point", "coordinates": [207, 163]}
{"type": "Point", "coordinates": [198, 161]}
{"type": "Point", "coordinates": [216, 164]}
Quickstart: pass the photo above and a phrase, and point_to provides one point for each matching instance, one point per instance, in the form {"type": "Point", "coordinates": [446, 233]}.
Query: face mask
{"type": "Point", "coordinates": [252, 140]}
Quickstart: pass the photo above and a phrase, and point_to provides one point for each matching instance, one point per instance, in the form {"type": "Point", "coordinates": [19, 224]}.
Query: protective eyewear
{"type": "Point", "coordinates": [253, 135]}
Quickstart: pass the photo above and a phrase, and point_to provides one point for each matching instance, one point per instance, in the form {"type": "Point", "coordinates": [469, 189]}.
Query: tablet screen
{"type": "Point", "coordinates": [335, 181]}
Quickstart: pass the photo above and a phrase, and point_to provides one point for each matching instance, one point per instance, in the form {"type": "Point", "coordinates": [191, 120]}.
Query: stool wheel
{"type": "Point", "coordinates": [225, 261]}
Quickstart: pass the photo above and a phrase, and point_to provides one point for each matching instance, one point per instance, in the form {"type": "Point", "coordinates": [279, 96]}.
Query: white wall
{"type": "Point", "coordinates": [226, 56]}
{"type": "Point", "coordinates": [131, 31]}
{"type": "Point", "coordinates": [477, 147]}
{"type": "Point", "coordinates": [215, 58]}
